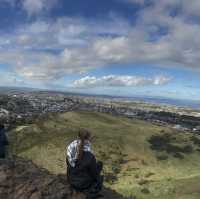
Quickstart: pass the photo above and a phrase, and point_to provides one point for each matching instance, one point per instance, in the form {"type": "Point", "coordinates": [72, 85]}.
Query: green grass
{"type": "Point", "coordinates": [131, 167]}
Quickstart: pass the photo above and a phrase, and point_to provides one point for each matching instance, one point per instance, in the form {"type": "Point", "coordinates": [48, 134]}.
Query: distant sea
{"type": "Point", "coordinates": [194, 104]}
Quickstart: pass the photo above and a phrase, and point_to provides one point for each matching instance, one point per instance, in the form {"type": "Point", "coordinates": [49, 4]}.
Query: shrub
{"type": "Point", "coordinates": [145, 191]}
{"type": "Point", "coordinates": [159, 142]}
{"type": "Point", "coordinates": [162, 157]}
{"type": "Point", "coordinates": [178, 155]}
{"type": "Point", "coordinates": [187, 149]}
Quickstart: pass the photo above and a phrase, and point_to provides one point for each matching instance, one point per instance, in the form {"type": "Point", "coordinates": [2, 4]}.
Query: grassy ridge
{"type": "Point", "coordinates": [131, 166]}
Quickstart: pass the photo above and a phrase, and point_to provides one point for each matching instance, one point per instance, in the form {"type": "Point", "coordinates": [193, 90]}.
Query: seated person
{"type": "Point", "coordinates": [3, 141]}
{"type": "Point", "coordinates": [83, 170]}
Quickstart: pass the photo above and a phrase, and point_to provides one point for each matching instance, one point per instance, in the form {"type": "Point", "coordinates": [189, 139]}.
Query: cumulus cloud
{"type": "Point", "coordinates": [10, 79]}
{"type": "Point", "coordinates": [51, 50]}
{"type": "Point", "coordinates": [118, 81]}
{"type": "Point", "coordinates": [141, 2]}
{"type": "Point", "coordinates": [48, 50]}
{"type": "Point", "coordinates": [191, 7]}
{"type": "Point", "coordinates": [33, 7]}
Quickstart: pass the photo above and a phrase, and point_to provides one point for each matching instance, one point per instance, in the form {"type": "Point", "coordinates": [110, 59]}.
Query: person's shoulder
{"type": "Point", "coordinates": [73, 143]}
{"type": "Point", "coordinates": [89, 155]}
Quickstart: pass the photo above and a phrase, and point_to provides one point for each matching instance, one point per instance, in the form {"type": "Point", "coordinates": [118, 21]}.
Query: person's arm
{"type": "Point", "coordinates": [93, 169]}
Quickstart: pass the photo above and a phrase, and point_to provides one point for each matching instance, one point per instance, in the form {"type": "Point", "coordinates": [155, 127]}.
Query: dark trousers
{"type": "Point", "coordinates": [93, 191]}
{"type": "Point", "coordinates": [2, 152]}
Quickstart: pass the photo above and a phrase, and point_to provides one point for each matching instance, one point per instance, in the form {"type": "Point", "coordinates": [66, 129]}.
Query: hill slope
{"type": "Point", "coordinates": [22, 179]}
{"type": "Point", "coordinates": [141, 159]}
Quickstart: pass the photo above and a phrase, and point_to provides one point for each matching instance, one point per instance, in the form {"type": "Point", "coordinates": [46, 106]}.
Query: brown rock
{"type": "Point", "coordinates": [21, 179]}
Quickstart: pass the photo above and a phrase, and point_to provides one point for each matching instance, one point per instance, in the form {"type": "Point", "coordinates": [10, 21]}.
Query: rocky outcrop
{"type": "Point", "coordinates": [21, 179]}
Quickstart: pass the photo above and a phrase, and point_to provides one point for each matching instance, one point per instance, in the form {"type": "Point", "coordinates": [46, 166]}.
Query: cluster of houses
{"type": "Point", "coordinates": [27, 106]}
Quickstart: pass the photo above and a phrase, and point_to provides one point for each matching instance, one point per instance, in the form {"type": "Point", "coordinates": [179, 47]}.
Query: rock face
{"type": "Point", "coordinates": [21, 179]}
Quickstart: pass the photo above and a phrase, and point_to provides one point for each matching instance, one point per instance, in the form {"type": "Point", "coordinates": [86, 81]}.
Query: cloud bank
{"type": "Point", "coordinates": [33, 7]}
{"type": "Point", "coordinates": [165, 32]}
{"type": "Point", "coordinates": [118, 81]}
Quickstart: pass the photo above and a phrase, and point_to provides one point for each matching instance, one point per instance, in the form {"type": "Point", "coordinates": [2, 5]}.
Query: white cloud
{"type": "Point", "coordinates": [118, 81]}
{"type": "Point", "coordinates": [33, 6]}
{"type": "Point", "coordinates": [141, 2]}
{"type": "Point", "coordinates": [48, 50]}
{"type": "Point", "coordinates": [10, 79]}
{"type": "Point", "coordinates": [51, 50]}
{"type": "Point", "coordinates": [191, 7]}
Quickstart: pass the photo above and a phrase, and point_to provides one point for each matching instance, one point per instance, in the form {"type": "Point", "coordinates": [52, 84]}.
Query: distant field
{"type": "Point", "coordinates": [168, 168]}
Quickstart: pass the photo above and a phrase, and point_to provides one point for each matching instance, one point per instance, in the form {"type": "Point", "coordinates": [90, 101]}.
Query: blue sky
{"type": "Point", "coordinates": [115, 47]}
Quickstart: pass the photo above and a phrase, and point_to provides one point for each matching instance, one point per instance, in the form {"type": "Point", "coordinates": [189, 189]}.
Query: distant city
{"type": "Point", "coordinates": [194, 104]}
{"type": "Point", "coordinates": [19, 106]}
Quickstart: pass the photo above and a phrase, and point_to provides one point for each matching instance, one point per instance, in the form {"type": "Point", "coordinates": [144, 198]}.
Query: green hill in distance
{"type": "Point", "coordinates": [140, 159]}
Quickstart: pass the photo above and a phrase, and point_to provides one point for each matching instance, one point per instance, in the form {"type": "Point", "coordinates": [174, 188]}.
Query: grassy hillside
{"type": "Point", "coordinates": [141, 159]}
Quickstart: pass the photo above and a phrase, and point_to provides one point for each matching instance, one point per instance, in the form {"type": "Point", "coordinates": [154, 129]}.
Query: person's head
{"type": "Point", "coordinates": [83, 135]}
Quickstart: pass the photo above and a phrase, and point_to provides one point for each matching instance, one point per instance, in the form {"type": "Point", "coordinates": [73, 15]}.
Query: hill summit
{"type": "Point", "coordinates": [20, 178]}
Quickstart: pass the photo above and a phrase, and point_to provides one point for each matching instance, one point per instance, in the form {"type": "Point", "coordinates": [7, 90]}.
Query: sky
{"type": "Point", "coordinates": [112, 47]}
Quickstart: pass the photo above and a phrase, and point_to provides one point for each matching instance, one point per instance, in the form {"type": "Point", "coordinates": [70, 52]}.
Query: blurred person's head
{"type": "Point", "coordinates": [83, 135]}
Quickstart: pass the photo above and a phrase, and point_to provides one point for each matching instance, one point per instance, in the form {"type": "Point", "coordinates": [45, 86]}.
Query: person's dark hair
{"type": "Point", "coordinates": [83, 135]}
{"type": "Point", "coordinates": [2, 126]}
